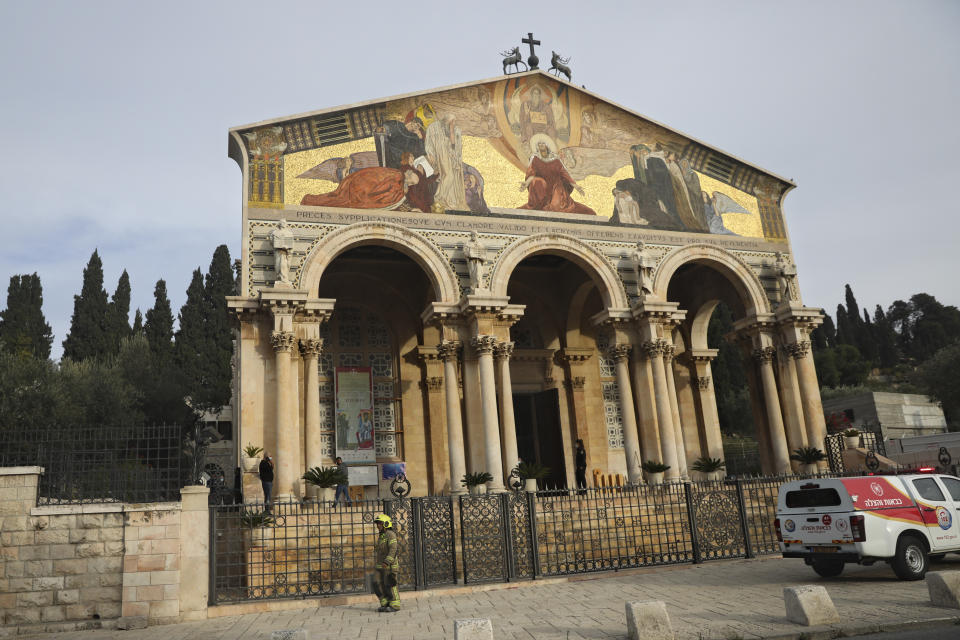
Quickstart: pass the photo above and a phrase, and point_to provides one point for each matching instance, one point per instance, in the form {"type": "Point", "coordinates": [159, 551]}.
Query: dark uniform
{"type": "Point", "coordinates": [385, 579]}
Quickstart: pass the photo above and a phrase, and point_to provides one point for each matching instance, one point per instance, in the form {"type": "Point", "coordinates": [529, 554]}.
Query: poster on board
{"type": "Point", "coordinates": [354, 415]}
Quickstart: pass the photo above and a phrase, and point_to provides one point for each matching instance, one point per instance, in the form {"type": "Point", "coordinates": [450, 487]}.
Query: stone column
{"type": "Point", "coordinates": [661, 393]}
{"type": "Point", "coordinates": [668, 351]}
{"type": "Point", "coordinates": [484, 345]}
{"type": "Point", "coordinates": [631, 439]}
{"type": "Point", "coordinates": [458, 468]}
{"type": "Point", "coordinates": [508, 427]}
{"type": "Point", "coordinates": [809, 394]}
{"type": "Point", "coordinates": [778, 439]}
{"type": "Point", "coordinates": [286, 463]}
{"type": "Point", "coordinates": [646, 405]}
{"type": "Point", "coordinates": [310, 349]}
{"type": "Point", "coordinates": [790, 403]}
{"type": "Point", "coordinates": [707, 401]}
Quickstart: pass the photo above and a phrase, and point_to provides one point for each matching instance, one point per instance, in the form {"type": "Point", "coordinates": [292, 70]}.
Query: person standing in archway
{"type": "Point", "coordinates": [580, 466]}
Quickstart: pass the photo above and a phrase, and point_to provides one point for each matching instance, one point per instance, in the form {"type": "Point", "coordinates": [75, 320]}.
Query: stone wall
{"type": "Point", "coordinates": [84, 566]}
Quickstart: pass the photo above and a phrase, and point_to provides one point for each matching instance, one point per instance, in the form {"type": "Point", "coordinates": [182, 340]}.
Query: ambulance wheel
{"type": "Point", "coordinates": [828, 568]}
{"type": "Point", "coordinates": [911, 561]}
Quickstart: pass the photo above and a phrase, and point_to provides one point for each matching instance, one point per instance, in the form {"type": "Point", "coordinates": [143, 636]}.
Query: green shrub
{"type": "Point", "coordinates": [708, 465]}
{"type": "Point", "coordinates": [654, 466]}
{"type": "Point", "coordinates": [476, 479]}
{"type": "Point", "coordinates": [325, 477]}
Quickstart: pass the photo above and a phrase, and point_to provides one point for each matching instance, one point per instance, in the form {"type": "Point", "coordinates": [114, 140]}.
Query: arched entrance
{"type": "Point", "coordinates": [562, 375]}
{"type": "Point", "coordinates": [769, 340]}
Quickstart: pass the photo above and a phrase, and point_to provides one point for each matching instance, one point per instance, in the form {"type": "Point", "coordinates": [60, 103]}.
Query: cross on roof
{"type": "Point", "coordinates": [533, 60]}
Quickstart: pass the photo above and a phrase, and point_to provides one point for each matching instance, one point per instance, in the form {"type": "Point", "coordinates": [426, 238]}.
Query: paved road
{"type": "Point", "coordinates": [714, 601]}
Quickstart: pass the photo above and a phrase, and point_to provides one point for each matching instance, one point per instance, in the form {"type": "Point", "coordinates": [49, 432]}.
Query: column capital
{"type": "Point", "coordinates": [798, 350]}
{"type": "Point", "coordinates": [652, 348]}
{"type": "Point", "coordinates": [703, 383]}
{"type": "Point", "coordinates": [668, 351]}
{"type": "Point", "coordinates": [619, 352]}
{"type": "Point", "coordinates": [448, 350]}
{"type": "Point", "coordinates": [483, 344]}
{"type": "Point", "coordinates": [765, 355]}
{"type": "Point", "coordinates": [283, 341]}
{"type": "Point", "coordinates": [576, 383]}
{"type": "Point", "coordinates": [311, 347]}
{"type": "Point", "coordinates": [432, 384]}
{"type": "Point", "coordinates": [503, 350]}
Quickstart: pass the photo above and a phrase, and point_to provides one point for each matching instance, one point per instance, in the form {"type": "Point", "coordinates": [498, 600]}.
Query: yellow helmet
{"type": "Point", "coordinates": [384, 519]}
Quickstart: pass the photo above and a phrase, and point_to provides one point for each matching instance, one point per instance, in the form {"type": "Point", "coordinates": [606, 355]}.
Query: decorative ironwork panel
{"type": "Point", "coordinates": [350, 359]}
{"type": "Point", "coordinates": [435, 551]}
{"type": "Point", "coordinates": [401, 511]}
{"type": "Point", "coordinates": [612, 413]}
{"type": "Point", "coordinates": [348, 329]}
{"type": "Point", "coordinates": [385, 444]}
{"type": "Point", "coordinates": [717, 517]}
{"type": "Point", "coordinates": [378, 335]}
{"type": "Point", "coordinates": [518, 511]}
{"type": "Point", "coordinates": [760, 507]}
{"type": "Point", "coordinates": [381, 364]}
{"type": "Point", "coordinates": [482, 540]}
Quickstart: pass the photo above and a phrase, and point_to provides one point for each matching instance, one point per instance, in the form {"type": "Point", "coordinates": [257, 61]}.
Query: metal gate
{"type": "Point", "coordinates": [871, 439]}
{"type": "Point", "coordinates": [496, 537]}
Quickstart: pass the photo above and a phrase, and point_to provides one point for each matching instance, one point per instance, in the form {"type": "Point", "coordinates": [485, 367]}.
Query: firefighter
{"type": "Point", "coordinates": [385, 578]}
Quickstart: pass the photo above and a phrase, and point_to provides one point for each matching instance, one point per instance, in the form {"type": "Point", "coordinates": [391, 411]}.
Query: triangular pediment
{"type": "Point", "coordinates": [523, 142]}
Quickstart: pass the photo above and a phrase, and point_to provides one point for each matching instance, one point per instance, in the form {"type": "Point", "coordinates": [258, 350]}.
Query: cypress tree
{"type": "Point", "coordinates": [868, 340]}
{"type": "Point", "coordinates": [159, 325]}
{"type": "Point", "coordinates": [88, 335]}
{"type": "Point", "coordinates": [190, 347]}
{"type": "Point", "coordinates": [120, 312]}
{"type": "Point", "coordinates": [137, 329]}
{"type": "Point", "coordinates": [220, 283]}
{"type": "Point", "coordinates": [844, 330]}
{"type": "Point", "coordinates": [886, 339]}
{"type": "Point", "coordinates": [829, 331]}
{"type": "Point", "coordinates": [23, 328]}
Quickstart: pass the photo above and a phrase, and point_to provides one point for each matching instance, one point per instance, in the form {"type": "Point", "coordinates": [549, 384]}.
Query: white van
{"type": "Point", "coordinates": [902, 520]}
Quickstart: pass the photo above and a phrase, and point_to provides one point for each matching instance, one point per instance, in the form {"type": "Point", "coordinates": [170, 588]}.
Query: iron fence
{"type": "Point", "coordinates": [295, 550]}
{"type": "Point", "coordinates": [140, 463]}
{"type": "Point", "coordinates": [869, 438]}
{"type": "Point", "coordinates": [311, 549]}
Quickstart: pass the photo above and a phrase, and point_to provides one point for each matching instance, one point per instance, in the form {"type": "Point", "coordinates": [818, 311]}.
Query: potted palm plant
{"type": "Point", "coordinates": [476, 483]}
{"type": "Point", "coordinates": [326, 479]}
{"type": "Point", "coordinates": [711, 468]}
{"type": "Point", "coordinates": [530, 472]}
{"type": "Point", "coordinates": [654, 470]}
{"type": "Point", "coordinates": [250, 461]}
{"type": "Point", "coordinates": [808, 457]}
{"type": "Point", "coordinates": [851, 438]}
{"type": "Point", "coordinates": [257, 527]}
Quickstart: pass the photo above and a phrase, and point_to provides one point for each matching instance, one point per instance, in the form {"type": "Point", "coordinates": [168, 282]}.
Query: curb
{"type": "Point", "coordinates": [829, 633]}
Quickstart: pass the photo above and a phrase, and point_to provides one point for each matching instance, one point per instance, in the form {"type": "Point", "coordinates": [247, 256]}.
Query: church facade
{"type": "Point", "coordinates": [458, 279]}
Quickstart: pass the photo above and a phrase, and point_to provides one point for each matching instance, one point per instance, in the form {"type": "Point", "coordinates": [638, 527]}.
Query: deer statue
{"type": "Point", "coordinates": [559, 65]}
{"type": "Point", "coordinates": [513, 58]}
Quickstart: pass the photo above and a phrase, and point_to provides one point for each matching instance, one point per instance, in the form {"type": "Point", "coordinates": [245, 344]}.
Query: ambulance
{"type": "Point", "coordinates": [904, 520]}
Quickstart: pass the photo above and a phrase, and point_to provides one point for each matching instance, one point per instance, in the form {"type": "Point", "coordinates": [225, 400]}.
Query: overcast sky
{"type": "Point", "coordinates": [115, 118]}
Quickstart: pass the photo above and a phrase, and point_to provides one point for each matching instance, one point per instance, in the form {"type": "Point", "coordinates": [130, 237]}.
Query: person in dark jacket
{"type": "Point", "coordinates": [342, 489]}
{"type": "Point", "coordinates": [580, 465]}
{"type": "Point", "coordinates": [266, 479]}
